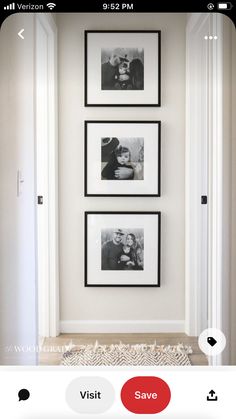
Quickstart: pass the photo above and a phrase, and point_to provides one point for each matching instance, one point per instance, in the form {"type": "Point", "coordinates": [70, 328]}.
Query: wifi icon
{"type": "Point", "coordinates": [51, 5]}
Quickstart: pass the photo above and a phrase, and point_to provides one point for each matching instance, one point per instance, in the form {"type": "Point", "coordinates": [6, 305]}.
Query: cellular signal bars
{"type": "Point", "coordinates": [10, 7]}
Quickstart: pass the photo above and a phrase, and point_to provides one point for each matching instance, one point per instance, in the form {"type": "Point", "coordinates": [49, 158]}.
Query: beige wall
{"type": "Point", "coordinates": [78, 302]}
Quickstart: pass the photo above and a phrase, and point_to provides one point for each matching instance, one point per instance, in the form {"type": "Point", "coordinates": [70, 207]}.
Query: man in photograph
{"type": "Point", "coordinates": [110, 72]}
{"type": "Point", "coordinates": [112, 251]}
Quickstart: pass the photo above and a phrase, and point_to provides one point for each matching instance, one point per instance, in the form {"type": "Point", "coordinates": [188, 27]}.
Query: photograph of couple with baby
{"type": "Point", "coordinates": [122, 69]}
{"type": "Point", "coordinates": [122, 158]}
{"type": "Point", "coordinates": [122, 249]}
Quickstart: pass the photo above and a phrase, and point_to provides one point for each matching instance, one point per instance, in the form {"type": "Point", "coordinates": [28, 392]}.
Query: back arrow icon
{"type": "Point", "coordinates": [20, 34]}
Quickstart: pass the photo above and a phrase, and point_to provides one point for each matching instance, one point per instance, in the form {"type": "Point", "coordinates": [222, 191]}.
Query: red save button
{"type": "Point", "coordinates": [145, 395]}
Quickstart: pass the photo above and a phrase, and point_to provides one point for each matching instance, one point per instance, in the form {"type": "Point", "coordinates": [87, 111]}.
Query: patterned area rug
{"type": "Point", "coordinates": [105, 355]}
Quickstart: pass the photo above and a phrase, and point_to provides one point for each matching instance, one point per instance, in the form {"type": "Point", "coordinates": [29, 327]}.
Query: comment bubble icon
{"type": "Point", "coordinates": [23, 394]}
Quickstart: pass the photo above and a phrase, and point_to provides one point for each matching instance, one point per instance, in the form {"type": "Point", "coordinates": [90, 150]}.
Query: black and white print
{"type": "Point", "coordinates": [122, 69]}
{"type": "Point", "coordinates": [116, 156]}
{"type": "Point", "coordinates": [122, 158]}
{"type": "Point", "coordinates": [122, 249]}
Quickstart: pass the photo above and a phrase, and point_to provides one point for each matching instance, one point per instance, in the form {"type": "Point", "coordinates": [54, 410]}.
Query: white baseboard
{"type": "Point", "coordinates": [124, 326]}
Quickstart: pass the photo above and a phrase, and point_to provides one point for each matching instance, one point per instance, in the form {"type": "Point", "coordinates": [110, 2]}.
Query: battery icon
{"type": "Point", "coordinates": [224, 6]}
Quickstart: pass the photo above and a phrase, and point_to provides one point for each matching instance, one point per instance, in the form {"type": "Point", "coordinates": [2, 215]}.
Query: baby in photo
{"type": "Point", "coordinates": [126, 264]}
{"type": "Point", "coordinates": [123, 80]}
{"type": "Point", "coordinates": [119, 158]}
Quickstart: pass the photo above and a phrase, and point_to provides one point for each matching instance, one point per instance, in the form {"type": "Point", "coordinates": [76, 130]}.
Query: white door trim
{"type": "Point", "coordinates": [215, 206]}
{"type": "Point", "coordinates": [48, 284]}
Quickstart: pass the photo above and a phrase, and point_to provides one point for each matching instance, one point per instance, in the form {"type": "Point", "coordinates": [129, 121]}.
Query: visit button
{"type": "Point", "coordinates": [143, 395]}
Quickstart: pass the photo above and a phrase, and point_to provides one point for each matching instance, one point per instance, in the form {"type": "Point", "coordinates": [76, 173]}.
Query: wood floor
{"type": "Point", "coordinates": [53, 348]}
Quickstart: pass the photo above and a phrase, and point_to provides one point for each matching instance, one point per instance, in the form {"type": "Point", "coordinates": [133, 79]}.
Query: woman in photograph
{"type": "Point", "coordinates": [137, 74]}
{"type": "Point", "coordinates": [136, 251]}
{"type": "Point", "coordinates": [133, 250]}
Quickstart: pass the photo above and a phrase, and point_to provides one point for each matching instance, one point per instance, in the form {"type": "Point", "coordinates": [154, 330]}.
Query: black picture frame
{"type": "Point", "coordinates": [87, 263]}
{"type": "Point", "coordinates": [134, 104]}
{"type": "Point", "coordinates": [156, 161]}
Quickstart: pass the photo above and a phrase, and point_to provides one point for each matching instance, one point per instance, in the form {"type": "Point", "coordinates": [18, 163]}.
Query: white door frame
{"type": "Point", "coordinates": [47, 214]}
{"type": "Point", "coordinates": [196, 174]}
{"type": "Point", "coordinates": [220, 185]}
{"type": "Point", "coordinates": [204, 121]}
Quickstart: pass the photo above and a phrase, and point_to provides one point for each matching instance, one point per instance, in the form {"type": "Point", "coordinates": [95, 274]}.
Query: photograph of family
{"type": "Point", "coordinates": [122, 69]}
{"type": "Point", "coordinates": [122, 249]}
{"type": "Point", "coordinates": [122, 158]}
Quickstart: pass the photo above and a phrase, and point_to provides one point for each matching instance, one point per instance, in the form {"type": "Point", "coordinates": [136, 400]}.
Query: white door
{"type": "Point", "coordinates": [208, 173]}
{"type": "Point", "coordinates": [46, 152]}
{"type": "Point", "coordinates": [197, 179]}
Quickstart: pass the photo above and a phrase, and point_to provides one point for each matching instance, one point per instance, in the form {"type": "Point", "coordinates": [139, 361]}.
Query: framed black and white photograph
{"type": "Point", "coordinates": [122, 68]}
{"type": "Point", "coordinates": [122, 158]}
{"type": "Point", "coordinates": [122, 249]}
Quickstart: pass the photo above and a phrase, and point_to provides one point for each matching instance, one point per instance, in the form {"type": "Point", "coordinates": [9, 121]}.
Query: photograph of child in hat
{"type": "Point", "coordinates": [122, 249]}
{"type": "Point", "coordinates": [122, 69]}
{"type": "Point", "coordinates": [122, 159]}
